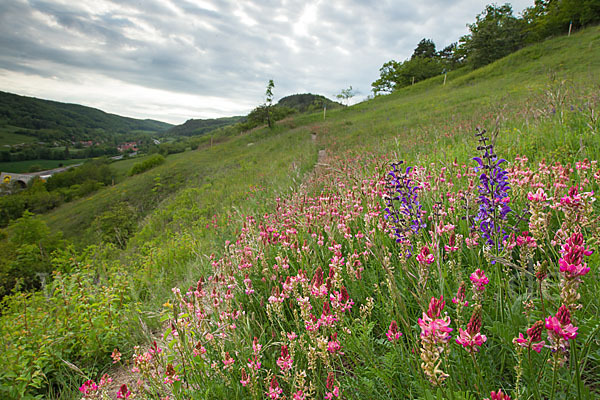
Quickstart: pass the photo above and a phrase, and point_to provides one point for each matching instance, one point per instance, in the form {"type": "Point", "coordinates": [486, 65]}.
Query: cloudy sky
{"type": "Point", "coordinates": [173, 60]}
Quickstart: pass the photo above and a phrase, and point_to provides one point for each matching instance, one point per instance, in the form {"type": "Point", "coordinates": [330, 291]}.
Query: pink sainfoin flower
{"type": "Point", "coordinates": [245, 379]}
{"type": "Point", "coordinates": [572, 268]}
{"type": "Point", "coordinates": [317, 287]}
{"type": "Point", "coordinates": [571, 264]}
{"type": "Point", "coordinates": [393, 334]}
{"type": "Point", "coordinates": [435, 335]}
{"type": "Point", "coordinates": [227, 361]}
{"type": "Point", "coordinates": [472, 339]}
{"type": "Point", "coordinates": [341, 300]}
{"type": "Point", "coordinates": [461, 296]}
{"type": "Point", "coordinates": [123, 392]}
{"type": "Point", "coordinates": [498, 396]}
{"type": "Point", "coordinates": [425, 257]}
{"type": "Point", "coordinates": [334, 346]}
{"type": "Point", "coordinates": [560, 331]}
{"type": "Point", "coordinates": [116, 356]}
{"type": "Point", "coordinates": [299, 395]}
{"type": "Point", "coordinates": [479, 280]}
{"type": "Point", "coordinates": [334, 391]}
{"type": "Point", "coordinates": [274, 390]}
{"type": "Point", "coordinates": [285, 361]}
{"type": "Point", "coordinates": [435, 307]}
{"type": "Point", "coordinates": [534, 338]}
{"type": "Point", "coordinates": [88, 388]}
{"type": "Point", "coordinates": [560, 325]}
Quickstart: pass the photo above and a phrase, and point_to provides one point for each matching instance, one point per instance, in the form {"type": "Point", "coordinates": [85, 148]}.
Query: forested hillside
{"type": "Point", "coordinates": [50, 121]}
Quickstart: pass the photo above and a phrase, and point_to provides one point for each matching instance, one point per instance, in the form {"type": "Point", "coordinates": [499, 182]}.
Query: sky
{"type": "Point", "coordinates": [173, 60]}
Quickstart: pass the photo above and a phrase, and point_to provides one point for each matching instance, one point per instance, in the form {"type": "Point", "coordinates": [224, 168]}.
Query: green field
{"type": "Point", "coordinates": [23, 166]}
{"type": "Point", "coordinates": [9, 137]}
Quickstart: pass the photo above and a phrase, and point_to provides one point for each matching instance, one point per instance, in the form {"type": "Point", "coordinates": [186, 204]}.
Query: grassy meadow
{"type": "Point", "coordinates": [289, 263]}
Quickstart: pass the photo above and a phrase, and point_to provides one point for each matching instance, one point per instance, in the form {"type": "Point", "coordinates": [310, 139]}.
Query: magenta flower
{"type": "Point", "coordinates": [460, 296]}
{"type": "Point", "coordinates": [245, 380]}
{"type": "Point", "coordinates": [472, 339]}
{"type": "Point", "coordinates": [393, 334]}
{"type": "Point", "coordinates": [479, 280]}
{"type": "Point", "coordinates": [573, 251]}
{"type": "Point", "coordinates": [285, 361]}
{"type": "Point", "coordinates": [274, 389]}
{"type": "Point", "coordinates": [435, 307]}
{"type": "Point", "coordinates": [425, 257]}
{"type": "Point", "coordinates": [499, 396]}
{"type": "Point", "coordinates": [89, 387]}
{"type": "Point", "coordinates": [471, 342]}
{"type": "Point", "coordinates": [555, 327]}
{"type": "Point", "coordinates": [534, 340]}
{"type": "Point", "coordinates": [123, 392]}
{"type": "Point", "coordinates": [333, 346]}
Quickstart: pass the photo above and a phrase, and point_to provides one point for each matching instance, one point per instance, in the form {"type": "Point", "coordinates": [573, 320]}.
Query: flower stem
{"type": "Point", "coordinates": [576, 364]}
{"type": "Point", "coordinates": [555, 368]}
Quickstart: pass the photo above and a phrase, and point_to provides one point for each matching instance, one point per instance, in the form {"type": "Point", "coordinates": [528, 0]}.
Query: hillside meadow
{"type": "Point", "coordinates": [439, 242]}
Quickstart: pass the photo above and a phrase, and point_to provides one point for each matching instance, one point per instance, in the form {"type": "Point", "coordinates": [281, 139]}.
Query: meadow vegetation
{"type": "Point", "coordinates": [438, 242]}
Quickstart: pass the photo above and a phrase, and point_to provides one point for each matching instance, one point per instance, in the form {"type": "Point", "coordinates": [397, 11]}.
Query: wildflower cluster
{"type": "Point", "coordinates": [493, 193]}
{"type": "Point", "coordinates": [403, 208]}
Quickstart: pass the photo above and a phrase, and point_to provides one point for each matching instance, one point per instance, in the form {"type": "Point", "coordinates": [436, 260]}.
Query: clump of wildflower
{"type": "Point", "coordinates": [534, 338]}
{"type": "Point", "coordinates": [539, 219]}
{"type": "Point", "coordinates": [493, 193]}
{"type": "Point", "coordinates": [333, 345]}
{"type": "Point", "coordinates": [89, 388]}
{"type": "Point", "coordinates": [123, 392]}
{"type": "Point", "coordinates": [472, 339]}
{"type": "Point", "coordinates": [334, 391]}
{"type": "Point", "coordinates": [461, 296]}
{"type": "Point", "coordinates": [435, 335]}
{"type": "Point", "coordinates": [116, 356]}
{"type": "Point", "coordinates": [171, 375]}
{"type": "Point", "coordinates": [403, 209]}
{"type": "Point", "coordinates": [425, 256]}
{"type": "Point", "coordinates": [245, 379]}
{"type": "Point", "coordinates": [274, 390]}
{"type": "Point", "coordinates": [479, 280]}
{"type": "Point", "coordinates": [285, 361]}
{"type": "Point", "coordinates": [498, 396]}
{"type": "Point", "coordinates": [393, 334]}
{"type": "Point", "coordinates": [560, 331]}
{"type": "Point", "coordinates": [572, 268]}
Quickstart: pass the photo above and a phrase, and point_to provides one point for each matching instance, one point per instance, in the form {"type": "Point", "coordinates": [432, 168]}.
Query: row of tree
{"type": "Point", "coordinates": [495, 34]}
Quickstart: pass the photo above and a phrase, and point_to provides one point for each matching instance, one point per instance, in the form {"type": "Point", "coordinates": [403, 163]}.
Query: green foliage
{"type": "Point", "coordinates": [149, 163]}
{"type": "Point", "coordinates": [26, 254]}
{"type": "Point", "coordinates": [307, 102]}
{"type": "Point", "coordinates": [495, 34]}
{"type": "Point", "coordinates": [77, 320]}
{"type": "Point", "coordinates": [195, 127]}
{"type": "Point", "coordinates": [116, 225]}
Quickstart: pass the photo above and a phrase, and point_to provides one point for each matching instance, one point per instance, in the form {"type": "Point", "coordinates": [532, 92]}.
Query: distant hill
{"type": "Point", "coordinates": [50, 120]}
{"type": "Point", "coordinates": [307, 102]}
{"type": "Point", "coordinates": [193, 127]}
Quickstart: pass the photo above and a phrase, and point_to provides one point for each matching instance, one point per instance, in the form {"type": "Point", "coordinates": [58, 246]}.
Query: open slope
{"type": "Point", "coordinates": [539, 101]}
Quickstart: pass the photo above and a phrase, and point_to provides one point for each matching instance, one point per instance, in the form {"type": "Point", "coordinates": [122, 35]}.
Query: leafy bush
{"type": "Point", "coordinates": [149, 163]}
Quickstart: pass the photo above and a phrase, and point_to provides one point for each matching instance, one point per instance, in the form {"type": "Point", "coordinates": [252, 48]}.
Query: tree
{"type": "Point", "coordinates": [346, 94]}
{"type": "Point", "coordinates": [269, 102]}
{"type": "Point", "coordinates": [425, 48]}
{"type": "Point", "coordinates": [495, 34]}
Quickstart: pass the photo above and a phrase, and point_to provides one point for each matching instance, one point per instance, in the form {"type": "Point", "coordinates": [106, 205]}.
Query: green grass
{"type": "Point", "coordinates": [23, 166]}
{"type": "Point", "coordinates": [9, 136]}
